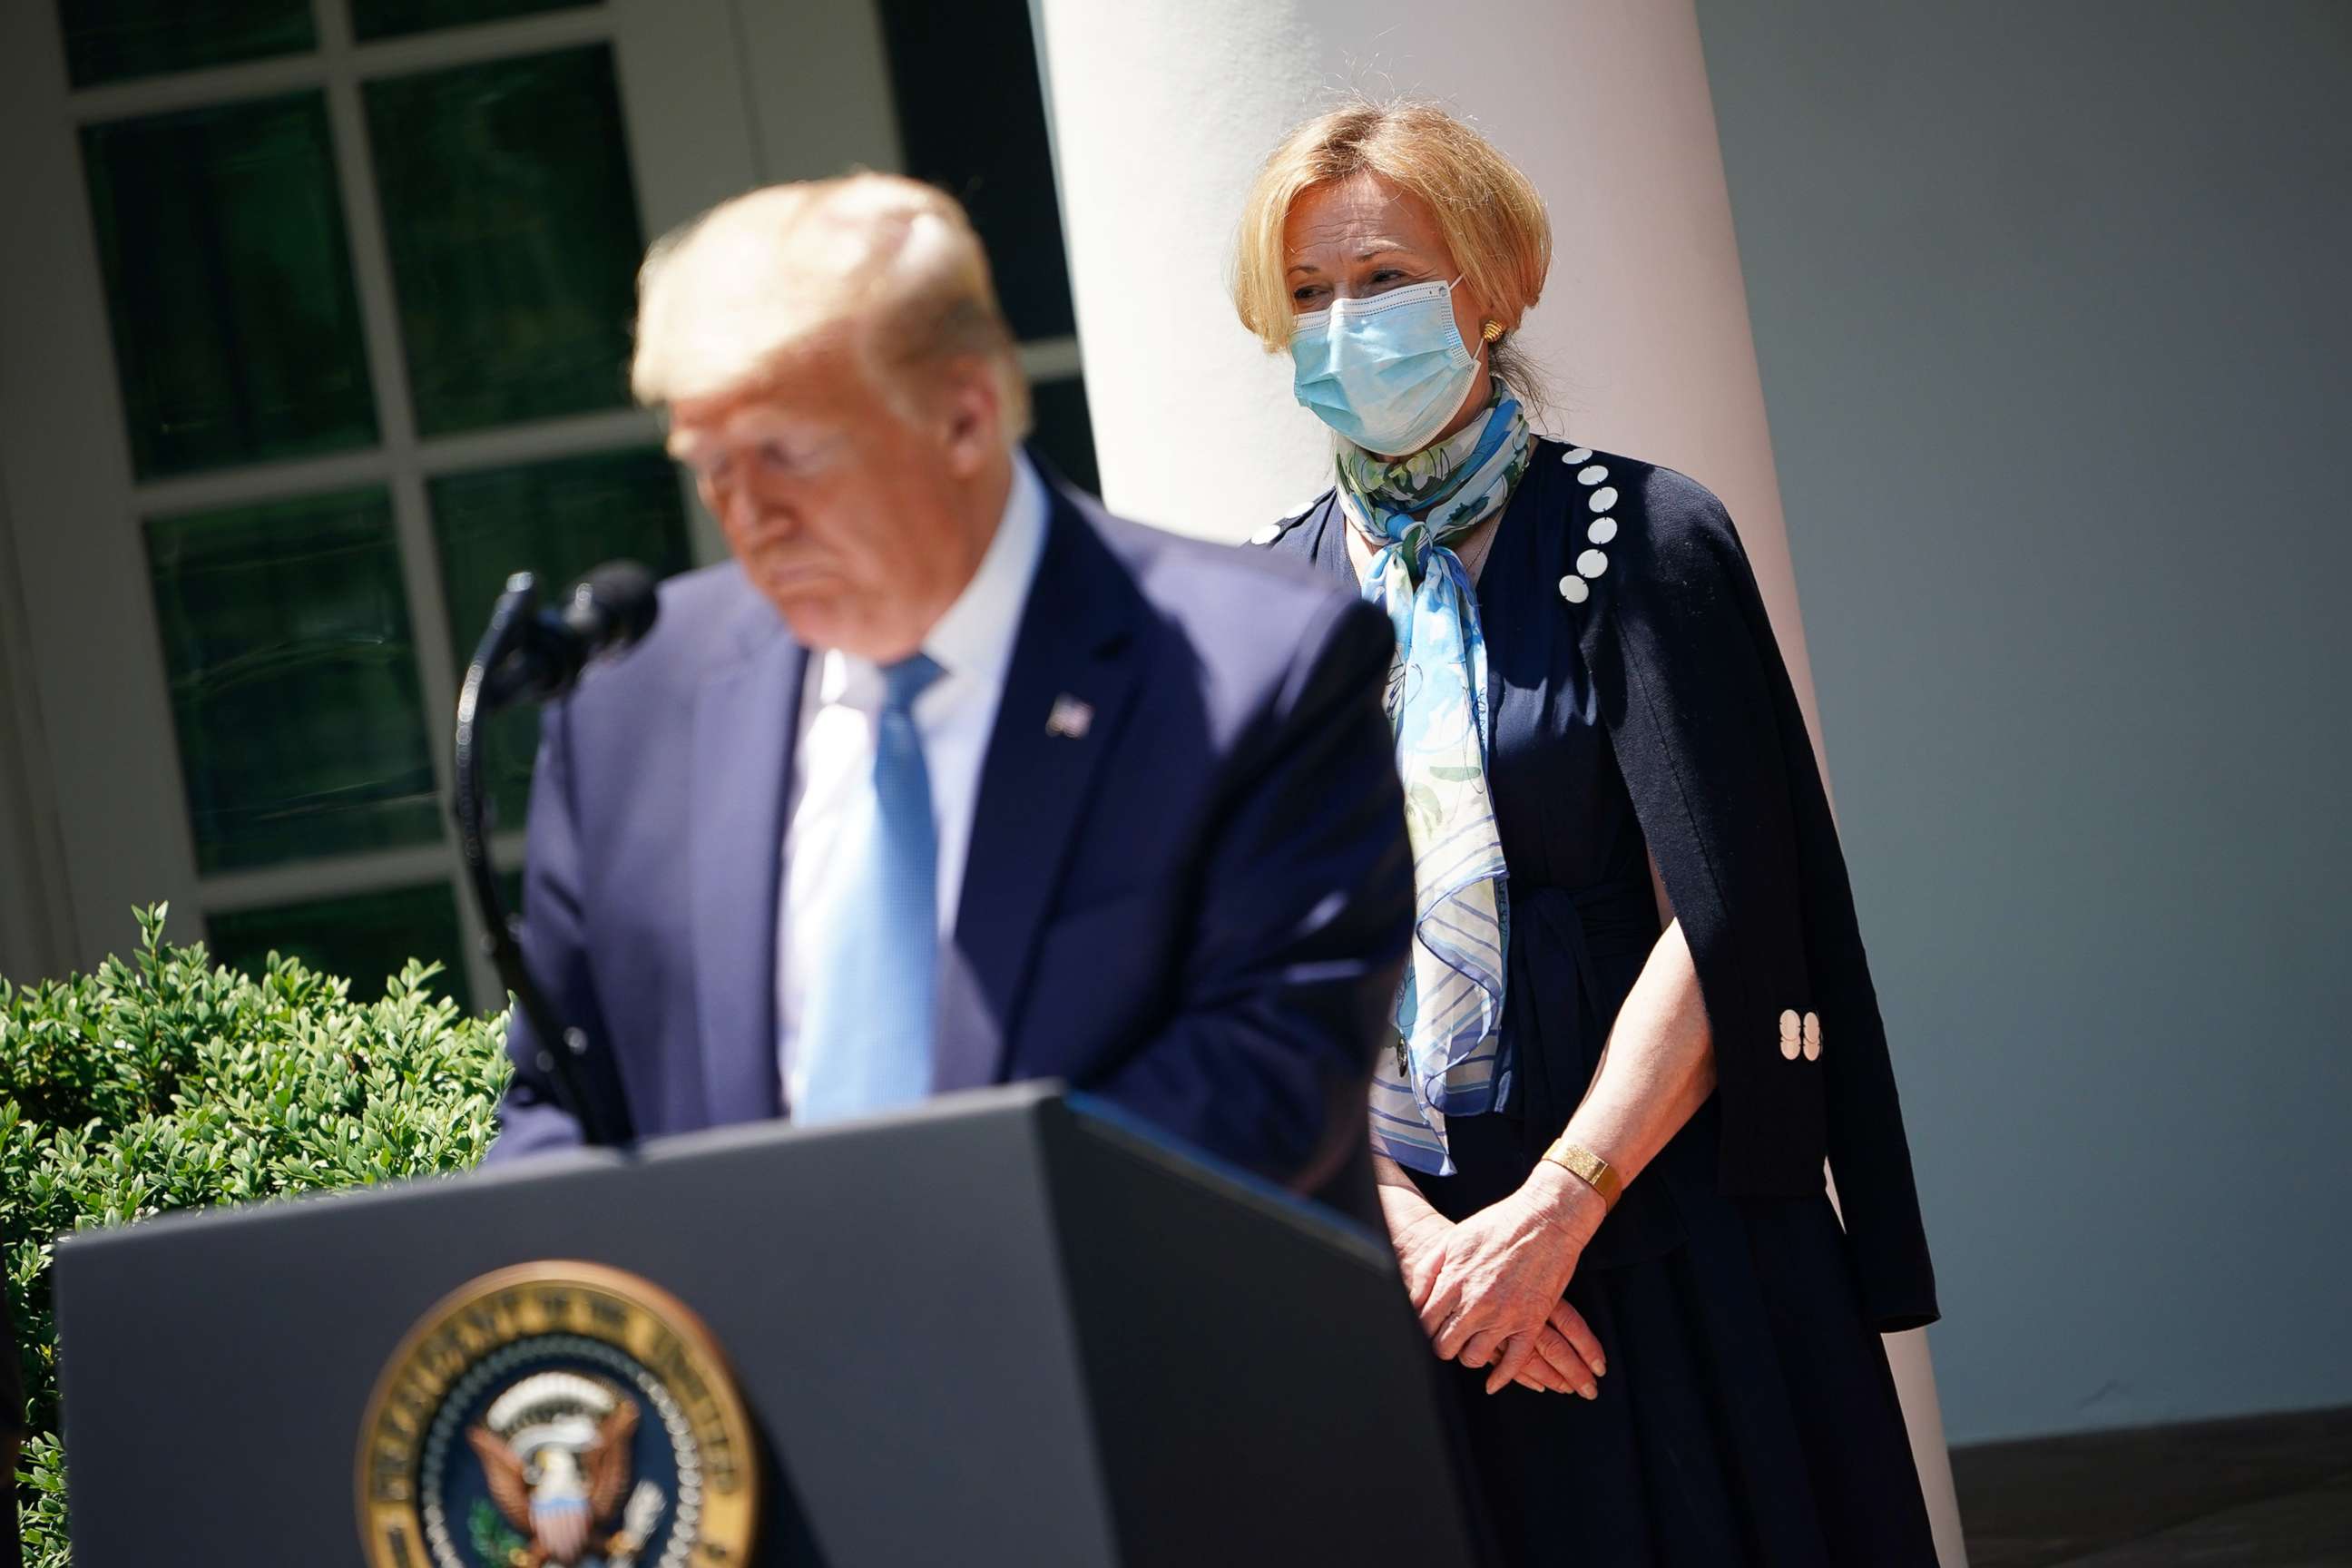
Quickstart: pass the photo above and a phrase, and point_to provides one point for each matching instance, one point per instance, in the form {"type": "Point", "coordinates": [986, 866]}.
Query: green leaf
{"type": "Point", "coordinates": [165, 1084]}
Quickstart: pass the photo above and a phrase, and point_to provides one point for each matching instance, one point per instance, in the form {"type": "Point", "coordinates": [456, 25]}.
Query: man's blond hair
{"type": "Point", "coordinates": [888, 264]}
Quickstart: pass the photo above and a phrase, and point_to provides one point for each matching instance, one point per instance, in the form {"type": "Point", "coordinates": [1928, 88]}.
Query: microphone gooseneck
{"type": "Point", "coordinates": [531, 654]}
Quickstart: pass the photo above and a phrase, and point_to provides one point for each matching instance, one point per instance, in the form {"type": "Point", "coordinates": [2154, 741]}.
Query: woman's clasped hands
{"type": "Point", "coordinates": [1489, 1290]}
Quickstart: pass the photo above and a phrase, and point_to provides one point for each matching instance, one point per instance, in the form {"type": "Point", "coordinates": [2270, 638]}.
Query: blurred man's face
{"type": "Point", "coordinates": [854, 520]}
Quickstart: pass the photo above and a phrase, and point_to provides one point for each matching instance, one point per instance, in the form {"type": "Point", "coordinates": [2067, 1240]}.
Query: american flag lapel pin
{"type": "Point", "coordinates": [1070, 719]}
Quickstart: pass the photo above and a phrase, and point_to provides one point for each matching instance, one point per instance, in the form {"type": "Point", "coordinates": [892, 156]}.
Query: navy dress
{"type": "Point", "coordinates": [1747, 1415]}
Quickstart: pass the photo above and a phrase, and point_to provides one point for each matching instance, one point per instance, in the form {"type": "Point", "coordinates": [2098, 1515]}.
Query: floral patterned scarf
{"type": "Point", "coordinates": [1448, 1059]}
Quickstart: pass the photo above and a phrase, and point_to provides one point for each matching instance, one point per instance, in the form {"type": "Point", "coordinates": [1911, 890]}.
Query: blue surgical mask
{"type": "Point", "coordinates": [1386, 373]}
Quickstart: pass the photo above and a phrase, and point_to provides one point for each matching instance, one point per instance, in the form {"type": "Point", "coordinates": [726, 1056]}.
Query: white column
{"type": "Point", "coordinates": [1162, 112]}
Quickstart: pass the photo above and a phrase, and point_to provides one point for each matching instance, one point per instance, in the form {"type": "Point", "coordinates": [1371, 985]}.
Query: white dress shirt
{"type": "Point", "coordinates": [833, 757]}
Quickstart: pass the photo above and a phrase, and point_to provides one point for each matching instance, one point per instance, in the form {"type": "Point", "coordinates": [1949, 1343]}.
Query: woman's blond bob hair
{"type": "Point", "coordinates": [1489, 213]}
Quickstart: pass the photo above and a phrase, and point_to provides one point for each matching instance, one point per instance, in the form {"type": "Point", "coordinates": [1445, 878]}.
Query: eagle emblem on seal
{"type": "Point", "coordinates": [555, 1455]}
{"type": "Point", "coordinates": [558, 1414]}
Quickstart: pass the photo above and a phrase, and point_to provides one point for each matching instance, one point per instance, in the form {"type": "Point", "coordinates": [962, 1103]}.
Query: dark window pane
{"type": "Point", "coordinates": [514, 235]}
{"type": "Point", "coordinates": [1064, 434]}
{"type": "Point", "coordinates": [390, 18]}
{"type": "Point", "coordinates": [971, 114]}
{"type": "Point", "coordinates": [555, 520]}
{"type": "Point", "coordinates": [113, 40]}
{"type": "Point", "coordinates": [365, 939]}
{"type": "Point", "coordinates": [229, 281]}
{"type": "Point", "coordinates": [293, 679]}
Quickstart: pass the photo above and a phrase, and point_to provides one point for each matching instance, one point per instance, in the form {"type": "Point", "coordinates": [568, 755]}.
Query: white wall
{"type": "Point", "coordinates": [2050, 304]}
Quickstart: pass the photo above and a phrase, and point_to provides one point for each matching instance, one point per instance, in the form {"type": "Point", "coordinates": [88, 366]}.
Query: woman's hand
{"type": "Point", "coordinates": [1416, 1231]}
{"type": "Point", "coordinates": [1567, 1358]}
{"type": "Point", "coordinates": [1568, 1355]}
{"type": "Point", "coordinates": [1420, 1244]}
{"type": "Point", "coordinates": [1503, 1271]}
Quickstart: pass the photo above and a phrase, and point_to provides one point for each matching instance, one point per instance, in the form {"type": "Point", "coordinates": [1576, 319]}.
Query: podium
{"type": "Point", "coordinates": [1005, 1327]}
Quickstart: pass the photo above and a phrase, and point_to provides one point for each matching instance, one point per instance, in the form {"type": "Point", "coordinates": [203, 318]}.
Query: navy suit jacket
{"type": "Point", "coordinates": [1198, 909]}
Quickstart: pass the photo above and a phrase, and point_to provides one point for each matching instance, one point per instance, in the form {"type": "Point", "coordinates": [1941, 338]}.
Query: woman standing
{"type": "Point", "coordinates": [1638, 1016]}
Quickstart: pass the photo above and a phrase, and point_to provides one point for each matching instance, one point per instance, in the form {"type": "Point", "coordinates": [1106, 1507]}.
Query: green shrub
{"type": "Point", "coordinates": [166, 1083]}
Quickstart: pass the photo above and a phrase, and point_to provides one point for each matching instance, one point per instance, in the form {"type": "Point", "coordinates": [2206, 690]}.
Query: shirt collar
{"type": "Point", "coordinates": [974, 638]}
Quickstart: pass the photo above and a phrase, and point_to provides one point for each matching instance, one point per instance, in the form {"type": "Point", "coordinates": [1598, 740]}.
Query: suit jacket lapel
{"type": "Point", "coordinates": [1074, 643]}
{"type": "Point", "coordinates": [745, 719]}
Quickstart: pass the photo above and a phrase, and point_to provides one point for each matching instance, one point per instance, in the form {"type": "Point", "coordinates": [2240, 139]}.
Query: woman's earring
{"type": "Point", "coordinates": [1492, 332]}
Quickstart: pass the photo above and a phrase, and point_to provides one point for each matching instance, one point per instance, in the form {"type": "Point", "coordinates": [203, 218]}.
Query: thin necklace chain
{"type": "Point", "coordinates": [1475, 556]}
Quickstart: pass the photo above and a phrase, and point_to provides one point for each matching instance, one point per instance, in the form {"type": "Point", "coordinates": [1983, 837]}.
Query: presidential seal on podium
{"type": "Point", "coordinates": [557, 1414]}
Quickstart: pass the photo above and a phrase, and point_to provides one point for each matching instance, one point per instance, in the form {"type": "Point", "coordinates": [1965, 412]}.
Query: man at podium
{"type": "Point", "coordinates": [948, 777]}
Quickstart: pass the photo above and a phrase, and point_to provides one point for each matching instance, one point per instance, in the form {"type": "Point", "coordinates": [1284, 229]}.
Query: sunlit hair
{"type": "Point", "coordinates": [887, 263]}
{"type": "Point", "coordinates": [1489, 214]}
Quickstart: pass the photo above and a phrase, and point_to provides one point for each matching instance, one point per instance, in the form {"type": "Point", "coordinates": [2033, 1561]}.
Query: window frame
{"type": "Point", "coordinates": [91, 716]}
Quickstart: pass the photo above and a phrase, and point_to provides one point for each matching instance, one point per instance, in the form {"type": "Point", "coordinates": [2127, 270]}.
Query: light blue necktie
{"type": "Point", "coordinates": [865, 1033]}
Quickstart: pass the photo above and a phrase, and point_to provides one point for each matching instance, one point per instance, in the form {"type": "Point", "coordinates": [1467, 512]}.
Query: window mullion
{"type": "Point", "coordinates": [388, 372]}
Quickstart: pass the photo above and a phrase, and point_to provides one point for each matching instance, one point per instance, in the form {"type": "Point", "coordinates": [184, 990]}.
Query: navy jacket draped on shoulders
{"type": "Point", "coordinates": [1658, 592]}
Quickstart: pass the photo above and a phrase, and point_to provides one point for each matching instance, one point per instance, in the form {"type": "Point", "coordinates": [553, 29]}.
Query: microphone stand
{"type": "Point", "coordinates": [491, 682]}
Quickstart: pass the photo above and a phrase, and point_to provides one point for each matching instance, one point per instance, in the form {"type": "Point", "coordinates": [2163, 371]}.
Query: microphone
{"type": "Point", "coordinates": [603, 613]}
{"type": "Point", "coordinates": [536, 654]}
